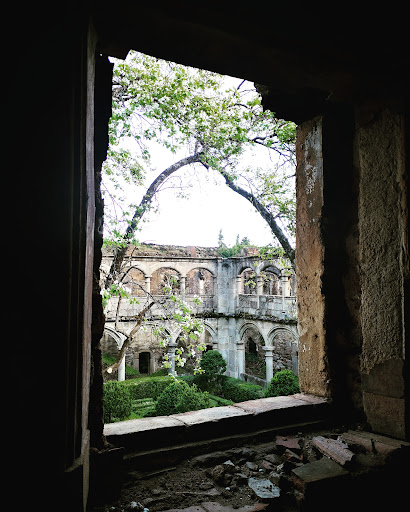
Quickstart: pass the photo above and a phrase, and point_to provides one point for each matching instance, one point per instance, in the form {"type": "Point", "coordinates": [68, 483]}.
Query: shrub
{"type": "Point", "coordinates": [214, 365]}
{"type": "Point", "coordinates": [239, 391]}
{"type": "Point", "coordinates": [180, 397]}
{"type": "Point", "coordinates": [150, 387]}
{"type": "Point", "coordinates": [283, 383]}
{"type": "Point", "coordinates": [117, 401]}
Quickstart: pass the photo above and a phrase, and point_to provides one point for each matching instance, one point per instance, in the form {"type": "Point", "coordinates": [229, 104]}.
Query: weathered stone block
{"type": "Point", "coordinates": [386, 415]}
{"type": "Point", "coordinates": [317, 474]}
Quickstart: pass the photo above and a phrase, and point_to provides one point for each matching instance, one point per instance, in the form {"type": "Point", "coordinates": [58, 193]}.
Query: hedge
{"type": "Point", "coordinates": [149, 388]}
{"type": "Point", "coordinates": [180, 397]}
{"type": "Point", "coordinates": [239, 391]}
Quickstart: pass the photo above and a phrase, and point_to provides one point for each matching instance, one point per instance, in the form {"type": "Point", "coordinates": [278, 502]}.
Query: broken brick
{"type": "Point", "coordinates": [291, 443]}
{"type": "Point", "coordinates": [335, 449]}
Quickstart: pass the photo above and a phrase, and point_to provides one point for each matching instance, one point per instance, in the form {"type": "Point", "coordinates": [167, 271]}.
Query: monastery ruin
{"type": "Point", "coordinates": [248, 306]}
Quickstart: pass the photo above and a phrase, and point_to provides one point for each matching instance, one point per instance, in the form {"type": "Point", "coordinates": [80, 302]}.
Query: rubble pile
{"type": "Point", "coordinates": [286, 474]}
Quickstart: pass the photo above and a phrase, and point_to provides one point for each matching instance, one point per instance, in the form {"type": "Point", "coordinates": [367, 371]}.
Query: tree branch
{"type": "Point", "coordinates": [141, 209]}
{"type": "Point", "coordinates": [276, 230]}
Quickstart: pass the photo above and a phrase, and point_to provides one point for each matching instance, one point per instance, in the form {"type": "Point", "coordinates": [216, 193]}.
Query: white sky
{"type": "Point", "coordinates": [198, 219]}
{"type": "Point", "coordinates": [211, 206]}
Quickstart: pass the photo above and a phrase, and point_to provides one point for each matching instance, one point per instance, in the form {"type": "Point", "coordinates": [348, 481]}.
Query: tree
{"type": "Point", "coordinates": [180, 107]}
{"type": "Point", "coordinates": [190, 109]}
{"type": "Point", "coordinates": [169, 314]}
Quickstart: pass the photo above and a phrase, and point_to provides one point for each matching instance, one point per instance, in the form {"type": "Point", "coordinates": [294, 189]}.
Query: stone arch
{"type": "Point", "coordinates": [134, 280]}
{"type": "Point", "coordinates": [254, 342]}
{"type": "Point", "coordinates": [108, 348]}
{"type": "Point", "coordinates": [284, 342]}
{"type": "Point", "coordinates": [209, 335]}
{"type": "Point", "coordinates": [161, 277]}
{"type": "Point", "coordinates": [247, 280]}
{"type": "Point", "coordinates": [146, 340]}
{"type": "Point", "coordinates": [199, 281]}
{"type": "Point", "coordinates": [115, 335]}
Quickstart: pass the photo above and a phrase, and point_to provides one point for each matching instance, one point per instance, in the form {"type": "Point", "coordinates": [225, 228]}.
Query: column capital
{"type": "Point", "coordinates": [268, 351]}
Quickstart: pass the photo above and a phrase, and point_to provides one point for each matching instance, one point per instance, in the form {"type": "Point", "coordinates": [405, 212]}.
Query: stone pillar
{"type": "Point", "coordinates": [285, 281]}
{"type": "Point", "coordinates": [285, 284]}
{"type": "Point", "coordinates": [259, 285]}
{"type": "Point", "coordinates": [215, 292]}
{"type": "Point", "coordinates": [148, 284]}
{"type": "Point", "coordinates": [238, 289]}
{"type": "Point", "coordinates": [121, 370]}
{"type": "Point", "coordinates": [269, 363]}
{"type": "Point", "coordinates": [240, 357]}
{"type": "Point", "coordinates": [182, 285]}
{"type": "Point", "coordinates": [171, 353]}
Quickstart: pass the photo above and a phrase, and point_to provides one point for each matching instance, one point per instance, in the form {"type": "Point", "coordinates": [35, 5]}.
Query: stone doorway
{"type": "Point", "coordinates": [144, 362]}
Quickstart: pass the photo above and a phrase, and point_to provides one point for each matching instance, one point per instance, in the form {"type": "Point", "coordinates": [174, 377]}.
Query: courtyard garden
{"type": "Point", "coordinates": [162, 395]}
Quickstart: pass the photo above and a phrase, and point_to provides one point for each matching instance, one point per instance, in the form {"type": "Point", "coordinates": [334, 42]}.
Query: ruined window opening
{"type": "Point", "coordinates": [201, 282]}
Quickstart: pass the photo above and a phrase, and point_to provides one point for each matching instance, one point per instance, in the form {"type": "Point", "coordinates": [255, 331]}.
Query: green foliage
{"type": "Point", "coordinates": [213, 363]}
{"type": "Point", "coordinates": [143, 408]}
{"type": "Point", "coordinates": [283, 383]}
{"type": "Point", "coordinates": [117, 401]}
{"type": "Point", "coordinates": [220, 402]}
{"type": "Point", "coordinates": [150, 387]}
{"type": "Point", "coordinates": [156, 102]}
{"type": "Point", "coordinates": [180, 397]}
{"type": "Point", "coordinates": [235, 250]}
{"type": "Point", "coordinates": [239, 391]}
{"type": "Point", "coordinates": [129, 371]}
{"type": "Point", "coordinates": [214, 366]}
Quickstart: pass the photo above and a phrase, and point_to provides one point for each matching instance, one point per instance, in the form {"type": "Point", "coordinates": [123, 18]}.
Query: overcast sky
{"type": "Point", "coordinates": [198, 220]}
{"type": "Point", "coordinates": [211, 206]}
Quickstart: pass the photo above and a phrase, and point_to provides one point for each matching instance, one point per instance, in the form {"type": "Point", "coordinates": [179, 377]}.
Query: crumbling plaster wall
{"type": "Point", "coordinates": [351, 289]}
{"type": "Point", "coordinates": [383, 217]}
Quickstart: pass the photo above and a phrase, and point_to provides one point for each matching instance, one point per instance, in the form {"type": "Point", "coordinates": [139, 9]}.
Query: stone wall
{"type": "Point", "coordinates": [233, 320]}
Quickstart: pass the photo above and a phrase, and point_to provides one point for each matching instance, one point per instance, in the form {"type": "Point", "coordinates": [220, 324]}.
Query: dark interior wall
{"type": "Point", "coordinates": [51, 120]}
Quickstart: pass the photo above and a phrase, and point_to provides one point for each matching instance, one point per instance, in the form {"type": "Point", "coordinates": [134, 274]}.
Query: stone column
{"type": "Point", "coordinates": [269, 363]}
{"type": "Point", "coordinates": [238, 289]}
{"type": "Point", "coordinates": [240, 356]}
{"type": "Point", "coordinates": [121, 370]}
{"type": "Point", "coordinates": [285, 281]}
{"type": "Point", "coordinates": [148, 284]}
{"type": "Point", "coordinates": [171, 353]}
{"type": "Point", "coordinates": [215, 292]}
{"type": "Point", "coordinates": [259, 285]}
{"type": "Point", "coordinates": [182, 285]}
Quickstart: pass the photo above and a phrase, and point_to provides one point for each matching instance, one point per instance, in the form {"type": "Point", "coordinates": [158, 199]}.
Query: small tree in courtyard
{"type": "Point", "coordinates": [214, 366]}
{"type": "Point", "coordinates": [283, 383]}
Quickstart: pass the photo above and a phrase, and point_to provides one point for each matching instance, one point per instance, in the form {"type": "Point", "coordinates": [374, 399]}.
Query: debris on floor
{"type": "Point", "coordinates": [285, 474]}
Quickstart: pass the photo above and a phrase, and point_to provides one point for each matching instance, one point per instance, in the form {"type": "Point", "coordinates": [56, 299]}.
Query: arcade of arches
{"type": "Point", "coordinates": [248, 306]}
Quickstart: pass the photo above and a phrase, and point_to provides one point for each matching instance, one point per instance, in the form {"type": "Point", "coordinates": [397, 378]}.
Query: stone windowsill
{"type": "Point", "coordinates": [238, 419]}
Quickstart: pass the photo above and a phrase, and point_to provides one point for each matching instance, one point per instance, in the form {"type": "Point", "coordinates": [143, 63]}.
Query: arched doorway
{"type": "Point", "coordinates": [254, 353]}
{"type": "Point", "coordinates": [144, 362]}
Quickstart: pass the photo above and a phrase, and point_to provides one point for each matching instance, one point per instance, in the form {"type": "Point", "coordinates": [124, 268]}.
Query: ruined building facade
{"type": "Point", "coordinates": [248, 307]}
